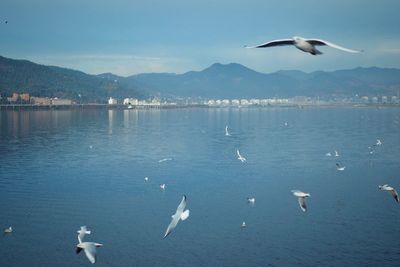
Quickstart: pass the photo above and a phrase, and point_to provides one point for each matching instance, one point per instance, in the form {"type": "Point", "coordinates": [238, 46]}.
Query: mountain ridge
{"type": "Point", "coordinates": [231, 80]}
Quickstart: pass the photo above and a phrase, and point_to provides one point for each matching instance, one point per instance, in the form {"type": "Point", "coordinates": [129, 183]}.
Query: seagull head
{"type": "Point", "coordinates": [297, 38]}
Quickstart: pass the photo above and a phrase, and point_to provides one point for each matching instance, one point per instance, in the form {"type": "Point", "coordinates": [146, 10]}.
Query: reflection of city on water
{"type": "Point", "coordinates": [22, 123]}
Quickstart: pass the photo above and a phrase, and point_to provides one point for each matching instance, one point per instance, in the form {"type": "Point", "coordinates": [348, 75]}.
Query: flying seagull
{"type": "Point", "coordinates": [340, 167]}
{"type": "Point", "coordinates": [336, 154]}
{"type": "Point", "coordinates": [226, 131]}
{"type": "Point", "coordinates": [180, 214]}
{"type": "Point", "coordinates": [88, 247]}
{"type": "Point", "coordinates": [301, 196]}
{"type": "Point", "coordinates": [304, 44]}
{"type": "Point", "coordinates": [240, 157]}
{"type": "Point", "coordinates": [82, 232]}
{"type": "Point", "coordinates": [165, 159]}
{"type": "Point", "coordinates": [378, 142]}
{"type": "Point", "coordinates": [162, 186]}
{"type": "Point", "coordinates": [391, 190]}
{"type": "Point", "coordinates": [146, 178]}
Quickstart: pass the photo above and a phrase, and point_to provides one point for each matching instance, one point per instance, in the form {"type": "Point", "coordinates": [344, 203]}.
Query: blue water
{"type": "Point", "coordinates": [63, 169]}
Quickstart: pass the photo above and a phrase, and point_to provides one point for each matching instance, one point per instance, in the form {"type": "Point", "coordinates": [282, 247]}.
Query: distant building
{"type": "Point", "coordinates": [374, 99]}
{"type": "Point", "coordinates": [58, 101]}
{"type": "Point", "coordinates": [244, 102]}
{"type": "Point", "coordinates": [394, 100]}
{"type": "Point", "coordinates": [131, 101]}
{"type": "Point", "coordinates": [226, 102]}
{"type": "Point", "coordinates": [112, 101]}
{"type": "Point", "coordinates": [384, 100]}
{"type": "Point", "coordinates": [24, 97]}
{"type": "Point", "coordinates": [40, 100]}
{"type": "Point", "coordinates": [364, 99]}
{"type": "Point", "coordinates": [235, 102]}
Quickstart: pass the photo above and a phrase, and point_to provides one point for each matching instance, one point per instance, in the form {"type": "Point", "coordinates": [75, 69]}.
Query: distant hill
{"type": "Point", "coordinates": [237, 81]}
{"type": "Point", "coordinates": [39, 80]}
{"type": "Point", "coordinates": [217, 81]}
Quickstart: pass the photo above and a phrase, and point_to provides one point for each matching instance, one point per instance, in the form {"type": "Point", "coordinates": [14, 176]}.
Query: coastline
{"type": "Point", "coordinates": [18, 107]}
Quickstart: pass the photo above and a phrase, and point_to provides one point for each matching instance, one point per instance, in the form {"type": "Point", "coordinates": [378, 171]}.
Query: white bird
{"type": "Point", "coordinates": [391, 190]}
{"type": "Point", "coordinates": [251, 200]}
{"type": "Point", "coordinates": [8, 230]}
{"type": "Point", "coordinates": [336, 154]}
{"type": "Point", "coordinates": [89, 248]}
{"type": "Point", "coordinates": [162, 186]}
{"type": "Point", "coordinates": [304, 44]}
{"type": "Point", "coordinates": [328, 154]}
{"type": "Point", "coordinates": [243, 225]}
{"type": "Point", "coordinates": [146, 178]}
{"type": "Point", "coordinates": [180, 214]}
{"type": "Point", "coordinates": [340, 167]}
{"type": "Point", "coordinates": [82, 232]}
{"type": "Point", "coordinates": [226, 131]}
{"type": "Point", "coordinates": [378, 142]}
{"type": "Point", "coordinates": [301, 196]}
{"type": "Point", "coordinates": [165, 159]}
{"type": "Point", "coordinates": [240, 157]}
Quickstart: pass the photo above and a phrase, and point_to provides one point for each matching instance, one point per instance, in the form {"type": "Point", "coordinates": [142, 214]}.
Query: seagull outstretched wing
{"type": "Point", "coordinates": [273, 43]}
{"type": "Point", "coordinates": [317, 42]}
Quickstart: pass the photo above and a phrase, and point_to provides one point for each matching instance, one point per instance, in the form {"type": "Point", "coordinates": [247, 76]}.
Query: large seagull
{"type": "Point", "coordinates": [180, 214]}
{"type": "Point", "coordinates": [304, 44]}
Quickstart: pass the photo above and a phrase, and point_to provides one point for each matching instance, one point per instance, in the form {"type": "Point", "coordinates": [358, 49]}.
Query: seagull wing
{"type": "Point", "coordinates": [322, 42]}
{"type": "Point", "coordinates": [90, 251]}
{"type": "Point", "coordinates": [182, 205]}
{"type": "Point", "coordinates": [238, 153]}
{"type": "Point", "coordinates": [273, 43]}
{"type": "Point", "coordinates": [395, 195]}
{"type": "Point", "coordinates": [302, 203]}
{"type": "Point", "coordinates": [172, 224]}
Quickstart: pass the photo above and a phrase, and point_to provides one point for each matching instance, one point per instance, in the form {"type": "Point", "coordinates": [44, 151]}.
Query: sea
{"type": "Point", "coordinates": [62, 169]}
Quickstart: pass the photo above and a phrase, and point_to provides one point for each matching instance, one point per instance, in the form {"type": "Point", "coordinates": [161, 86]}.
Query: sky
{"type": "Point", "coordinates": [127, 37]}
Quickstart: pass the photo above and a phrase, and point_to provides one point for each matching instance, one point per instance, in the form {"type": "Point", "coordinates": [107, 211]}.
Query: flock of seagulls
{"type": "Point", "coordinates": [304, 44]}
{"type": "Point", "coordinates": [181, 213]}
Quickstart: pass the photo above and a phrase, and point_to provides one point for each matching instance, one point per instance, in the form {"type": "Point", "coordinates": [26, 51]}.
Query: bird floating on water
{"type": "Point", "coordinates": [251, 200]}
{"type": "Point", "coordinates": [304, 44]}
{"type": "Point", "coordinates": [180, 214]}
{"type": "Point", "coordinates": [240, 157]}
{"type": "Point", "coordinates": [8, 230]}
{"type": "Point", "coordinates": [301, 196]}
{"type": "Point", "coordinates": [340, 167]}
{"type": "Point", "coordinates": [391, 190]}
{"type": "Point", "coordinates": [243, 225]}
{"type": "Point", "coordinates": [336, 154]}
{"type": "Point", "coordinates": [165, 159]}
{"type": "Point", "coordinates": [328, 154]}
{"type": "Point", "coordinates": [146, 178]}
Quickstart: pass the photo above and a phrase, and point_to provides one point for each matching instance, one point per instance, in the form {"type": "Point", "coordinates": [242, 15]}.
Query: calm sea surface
{"type": "Point", "coordinates": [63, 169]}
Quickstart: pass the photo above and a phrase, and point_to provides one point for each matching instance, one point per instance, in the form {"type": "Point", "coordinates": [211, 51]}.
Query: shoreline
{"type": "Point", "coordinates": [17, 107]}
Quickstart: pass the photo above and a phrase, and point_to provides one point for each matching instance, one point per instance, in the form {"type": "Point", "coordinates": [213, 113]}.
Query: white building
{"type": "Point", "coordinates": [112, 101]}
{"type": "Point", "coordinates": [235, 102]}
{"type": "Point", "coordinates": [130, 101]}
{"type": "Point", "coordinates": [244, 102]}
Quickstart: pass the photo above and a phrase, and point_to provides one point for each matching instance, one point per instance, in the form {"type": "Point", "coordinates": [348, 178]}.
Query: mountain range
{"type": "Point", "coordinates": [217, 81]}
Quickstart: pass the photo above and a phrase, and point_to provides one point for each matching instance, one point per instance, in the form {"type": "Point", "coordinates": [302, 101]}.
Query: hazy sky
{"type": "Point", "coordinates": [128, 36]}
